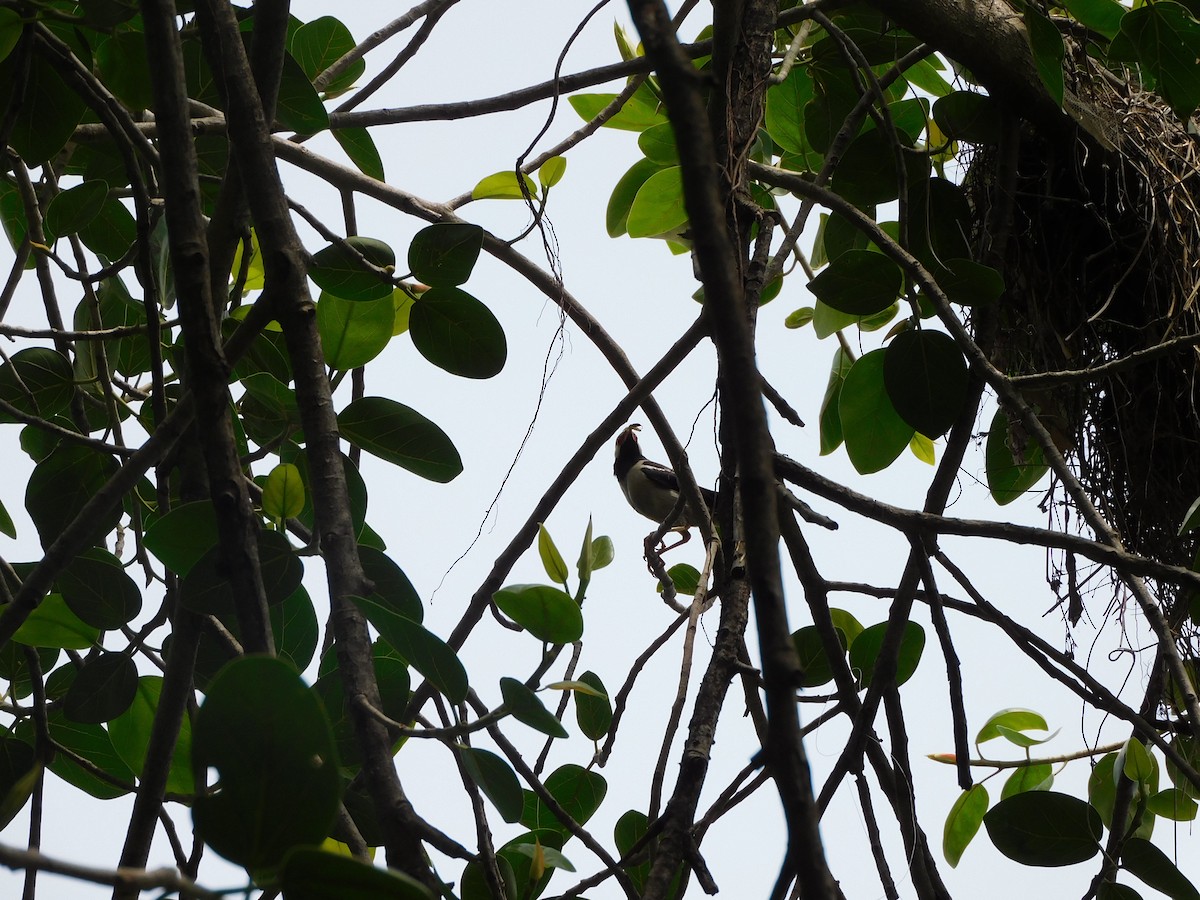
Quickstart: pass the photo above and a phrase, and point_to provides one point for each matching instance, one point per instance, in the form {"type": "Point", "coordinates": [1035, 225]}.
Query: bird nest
{"type": "Point", "coordinates": [1102, 268]}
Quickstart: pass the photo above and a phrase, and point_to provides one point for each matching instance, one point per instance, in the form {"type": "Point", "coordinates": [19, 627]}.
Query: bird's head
{"type": "Point", "coordinates": [628, 435]}
{"type": "Point", "coordinates": [628, 451]}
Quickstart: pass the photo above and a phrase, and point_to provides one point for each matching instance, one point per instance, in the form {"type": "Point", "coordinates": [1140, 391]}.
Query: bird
{"type": "Point", "coordinates": [652, 489]}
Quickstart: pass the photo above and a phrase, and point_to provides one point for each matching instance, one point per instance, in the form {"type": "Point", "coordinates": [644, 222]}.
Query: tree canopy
{"type": "Point", "coordinates": [979, 215]}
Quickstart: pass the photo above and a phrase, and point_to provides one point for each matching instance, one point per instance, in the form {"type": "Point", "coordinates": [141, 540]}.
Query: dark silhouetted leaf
{"type": "Point", "coordinates": [496, 779]}
{"type": "Point", "coordinates": [265, 733]}
{"type": "Point", "coordinates": [527, 708]}
{"type": "Point", "coordinates": [858, 283]}
{"type": "Point", "coordinates": [544, 611]}
{"type": "Point", "coordinates": [344, 275]}
{"type": "Point", "coordinates": [443, 255]}
{"type": "Point", "coordinates": [400, 435]}
{"type": "Point", "coordinates": [926, 379]}
{"type": "Point", "coordinates": [456, 332]}
{"type": "Point", "coordinates": [1045, 828]}
{"type": "Point", "coordinates": [102, 690]}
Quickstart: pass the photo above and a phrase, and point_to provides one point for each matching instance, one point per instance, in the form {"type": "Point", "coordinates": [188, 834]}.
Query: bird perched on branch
{"type": "Point", "coordinates": [652, 488]}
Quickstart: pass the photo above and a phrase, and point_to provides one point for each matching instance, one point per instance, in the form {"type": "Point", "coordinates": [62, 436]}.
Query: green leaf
{"type": "Point", "coordinates": [1144, 860]}
{"type": "Point", "coordinates": [74, 209]}
{"type": "Point", "coordinates": [496, 779]}
{"type": "Point", "coordinates": [443, 255]}
{"type": "Point", "coordinates": [130, 737]}
{"type": "Point", "coordinates": [456, 332]}
{"type": "Point", "coordinates": [354, 332]}
{"type": "Point", "coordinates": [1164, 39]}
{"type": "Point", "coordinates": [874, 432]}
{"type": "Point", "coordinates": [1186, 745]}
{"type": "Point", "coordinates": [552, 171]}
{"type": "Point", "coordinates": [641, 111]}
{"type": "Point", "coordinates": [816, 668]}
{"type": "Point", "coordinates": [658, 144]}
{"type": "Point", "coordinates": [97, 589]}
{"type": "Point", "coordinates": [924, 74]}
{"type": "Point", "coordinates": [528, 709]}
{"type": "Point", "coordinates": [422, 649]}
{"type": "Point", "coordinates": [962, 824]}
{"type": "Point", "coordinates": [6, 523]}
{"type": "Point", "coordinates": [38, 381]}
{"type": "Point", "coordinates": [112, 232]}
{"type": "Point", "coordinates": [1011, 471]}
{"type": "Point", "coordinates": [1135, 761]}
{"type": "Point", "coordinates": [392, 586]}
{"type": "Point", "coordinates": [1014, 718]}
{"type": "Point", "coordinates": [1103, 16]}
{"type": "Point", "coordinates": [785, 110]}
{"type": "Point", "coordinates": [593, 713]}
{"type": "Point", "coordinates": [359, 146]}
{"type": "Point", "coordinates": [206, 588]}
{"type": "Point", "coordinates": [283, 494]}
{"type": "Point", "coordinates": [503, 186]}
{"type": "Point", "coordinates": [1192, 519]}
{"type": "Point", "coordinates": [319, 44]}
{"type": "Point", "coordinates": [926, 379]}
{"type": "Point", "coordinates": [866, 174]}
{"type": "Point", "coordinates": [967, 116]}
{"type": "Point", "coordinates": [1036, 777]}
{"type": "Point", "coordinates": [1045, 828]}
{"type": "Point", "coordinates": [336, 270]}
{"type": "Point", "coordinates": [658, 205]}
{"type": "Point", "coordinates": [400, 435]}
{"type": "Point", "coordinates": [552, 561]}
{"type": "Point", "coordinates": [603, 552]}
{"type": "Point", "coordinates": [799, 318]}
{"type": "Point", "coordinates": [830, 419]}
{"type": "Point", "coordinates": [52, 624]}
{"type": "Point", "coordinates": [1111, 891]}
{"type": "Point", "coordinates": [474, 885]}
{"type": "Point", "coordinates": [392, 677]}
{"type": "Point", "coordinates": [93, 744]}
{"type": "Point", "coordinates": [1048, 51]}
{"type": "Point", "coordinates": [125, 69]}
{"type": "Point", "coordinates": [294, 625]}
{"type": "Point", "coordinates": [586, 555]}
{"type": "Point", "coordinates": [1023, 740]}
{"type": "Point", "coordinates": [865, 651]}
{"type": "Point", "coordinates": [858, 283]}
{"type": "Point", "coordinates": [578, 791]}
{"type": "Point", "coordinates": [922, 448]}
{"type": "Point", "coordinates": [547, 613]}
{"type": "Point", "coordinates": [265, 733]}
{"type": "Point", "coordinates": [969, 283]}
{"type": "Point", "coordinates": [49, 110]}
{"type": "Point", "coordinates": [616, 215]}
{"type": "Point", "coordinates": [182, 537]}
{"type": "Point", "coordinates": [312, 874]}
{"type": "Point", "coordinates": [11, 27]}
{"type": "Point", "coordinates": [1172, 804]}
{"type": "Point", "coordinates": [19, 771]}
{"type": "Point", "coordinates": [631, 828]}
{"type": "Point", "coordinates": [685, 577]}
{"type": "Point", "coordinates": [102, 690]}
{"type": "Point", "coordinates": [299, 107]}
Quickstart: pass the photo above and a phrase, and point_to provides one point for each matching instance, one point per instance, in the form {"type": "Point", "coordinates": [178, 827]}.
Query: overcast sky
{"type": "Point", "coordinates": [642, 295]}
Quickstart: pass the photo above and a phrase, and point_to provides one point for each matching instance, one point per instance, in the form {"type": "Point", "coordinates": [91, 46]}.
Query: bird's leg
{"type": "Point", "coordinates": [684, 537]}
